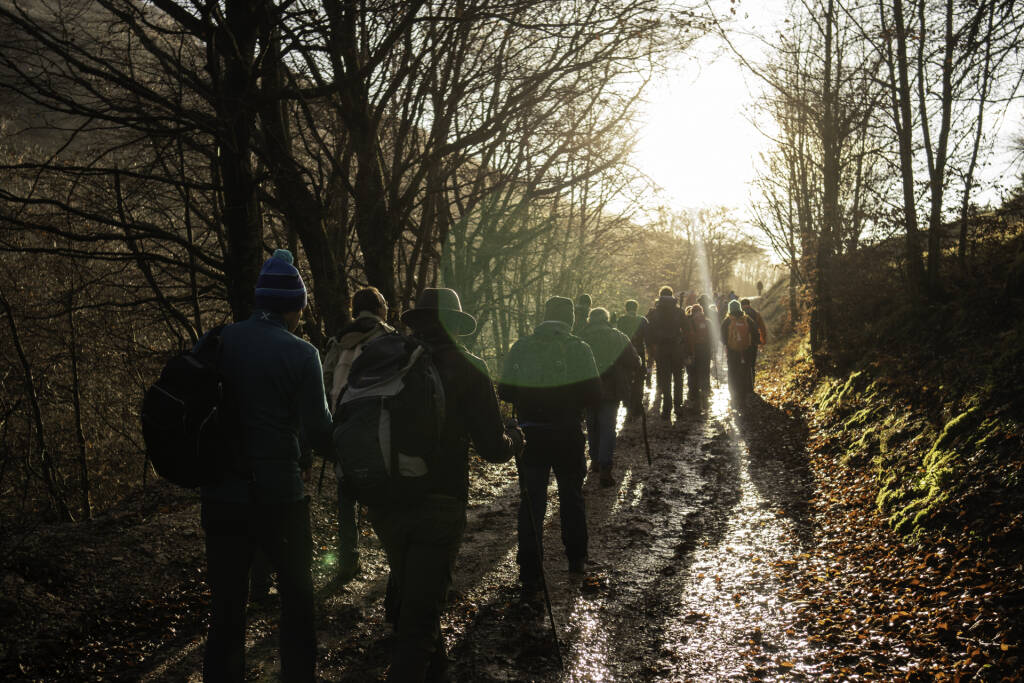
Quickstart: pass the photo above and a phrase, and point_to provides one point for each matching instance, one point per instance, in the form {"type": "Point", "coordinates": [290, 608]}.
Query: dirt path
{"type": "Point", "coordinates": [683, 560]}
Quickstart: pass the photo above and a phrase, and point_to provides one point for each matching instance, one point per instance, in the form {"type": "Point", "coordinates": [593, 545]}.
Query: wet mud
{"type": "Point", "coordinates": [681, 582]}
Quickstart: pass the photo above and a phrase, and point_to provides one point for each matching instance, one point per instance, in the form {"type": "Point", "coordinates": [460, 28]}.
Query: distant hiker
{"type": "Point", "coordinates": [550, 377]}
{"type": "Point", "coordinates": [619, 366]}
{"type": "Point", "coordinates": [369, 310]}
{"type": "Point", "coordinates": [668, 334]}
{"type": "Point", "coordinates": [732, 296]}
{"type": "Point", "coordinates": [581, 311]}
{"type": "Point", "coordinates": [759, 339]}
{"type": "Point", "coordinates": [738, 334]}
{"type": "Point", "coordinates": [760, 287]}
{"type": "Point", "coordinates": [634, 326]}
{"type": "Point", "coordinates": [421, 533]}
{"type": "Point", "coordinates": [699, 381]}
{"type": "Point", "coordinates": [276, 381]}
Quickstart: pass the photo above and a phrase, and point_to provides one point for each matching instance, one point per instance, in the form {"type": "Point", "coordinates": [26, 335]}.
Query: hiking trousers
{"type": "Point", "coordinates": [700, 375]}
{"type": "Point", "coordinates": [739, 374]}
{"type": "Point", "coordinates": [752, 363]}
{"type": "Point", "coordinates": [560, 450]}
{"type": "Point", "coordinates": [670, 381]}
{"type": "Point", "coordinates": [601, 432]}
{"type": "Point", "coordinates": [348, 528]}
{"type": "Point", "coordinates": [421, 541]}
{"type": "Point", "coordinates": [233, 532]}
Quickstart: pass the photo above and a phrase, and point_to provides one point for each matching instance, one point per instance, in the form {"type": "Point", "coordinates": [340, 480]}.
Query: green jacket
{"type": "Point", "coordinates": [617, 361]}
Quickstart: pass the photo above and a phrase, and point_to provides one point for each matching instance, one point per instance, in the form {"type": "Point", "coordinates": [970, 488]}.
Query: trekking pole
{"type": "Point", "coordinates": [540, 558]}
{"type": "Point", "coordinates": [643, 426]}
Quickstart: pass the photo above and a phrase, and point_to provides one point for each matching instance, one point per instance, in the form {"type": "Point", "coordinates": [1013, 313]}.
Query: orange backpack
{"type": "Point", "coordinates": [739, 334]}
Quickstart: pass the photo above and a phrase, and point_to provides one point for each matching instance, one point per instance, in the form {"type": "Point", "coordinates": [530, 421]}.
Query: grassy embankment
{"type": "Point", "coordinates": [929, 401]}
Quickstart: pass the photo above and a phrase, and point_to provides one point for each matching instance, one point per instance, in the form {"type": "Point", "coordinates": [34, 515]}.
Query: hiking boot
{"type": "Point", "coordinates": [606, 477]}
{"type": "Point", "coordinates": [578, 566]}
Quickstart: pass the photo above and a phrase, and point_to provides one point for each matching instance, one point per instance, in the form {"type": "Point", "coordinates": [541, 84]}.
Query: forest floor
{"type": "Point", "coordinates": [737, 554]}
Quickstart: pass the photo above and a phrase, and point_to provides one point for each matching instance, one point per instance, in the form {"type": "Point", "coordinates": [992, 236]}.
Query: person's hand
{"type": "Point", "coordinates": [516, 434]}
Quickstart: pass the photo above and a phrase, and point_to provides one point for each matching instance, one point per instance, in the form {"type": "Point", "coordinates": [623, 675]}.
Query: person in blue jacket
{"type": "Point", "coordinates": [275, 382]}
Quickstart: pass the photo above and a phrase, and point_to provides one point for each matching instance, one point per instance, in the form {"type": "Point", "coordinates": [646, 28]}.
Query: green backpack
{"type": "Point", "coordinates": [540, 362]}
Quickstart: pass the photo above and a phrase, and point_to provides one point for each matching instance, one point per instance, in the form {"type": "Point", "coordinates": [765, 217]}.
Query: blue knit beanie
{"type": "Point", "coordinates": [279, 287]}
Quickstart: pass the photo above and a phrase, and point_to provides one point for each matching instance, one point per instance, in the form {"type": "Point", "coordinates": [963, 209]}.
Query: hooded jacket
{"type": "Point", "coordinates": [617, 361]}
{"type": "Point", "coordinates": [558, 403]}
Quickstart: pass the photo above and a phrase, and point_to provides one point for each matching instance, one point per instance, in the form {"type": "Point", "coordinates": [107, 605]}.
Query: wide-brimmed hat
{"type": "Point", "coordinates": [440, 304]}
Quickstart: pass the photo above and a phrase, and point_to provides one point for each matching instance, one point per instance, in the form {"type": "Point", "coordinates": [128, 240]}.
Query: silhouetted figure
{"type": "Point", "coordinates": [759, 339]}
{"type": "Point", "coordinates": [550, 377]}
{"type": "Point", "coordinates": [421, 535]}
{"type": "Point", "coordinates": [699, 389]}
{"type": "Point", "coordinates": [634, 326]}
{"type": "Point", "coordinates": [669, 338]}
{"type": "Point", "coordinates": [275, 379]}
{"type": "Point", "coordinates": [619, 367]}
{"type": "Point", "coordinates": [581, 311]}
{"type": "Point", "coordinates": [738, 333]}
{"type": "Point", "coordinates": [760, 288]}
{"type": "Point", "coordinates": [369, 310]}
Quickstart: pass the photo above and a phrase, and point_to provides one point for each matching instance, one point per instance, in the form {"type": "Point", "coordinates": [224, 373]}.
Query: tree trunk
{"type": "Point", "coordinates": [231, 55]}
{"type": "Point", "coordinates": [904, 132]}
{"type": "Point", "coordinates": [76, 400]}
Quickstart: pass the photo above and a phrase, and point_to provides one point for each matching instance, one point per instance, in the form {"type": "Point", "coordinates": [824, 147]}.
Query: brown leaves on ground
{"type": "Point", "coordinates": [947, 609]}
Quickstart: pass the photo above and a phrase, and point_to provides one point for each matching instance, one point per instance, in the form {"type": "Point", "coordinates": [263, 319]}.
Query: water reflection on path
{"type": "Point", "coordinates": [698, 599]}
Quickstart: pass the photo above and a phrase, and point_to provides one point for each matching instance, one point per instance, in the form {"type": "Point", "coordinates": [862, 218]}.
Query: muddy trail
{"type": "Point", "coordinates": [681, 581]}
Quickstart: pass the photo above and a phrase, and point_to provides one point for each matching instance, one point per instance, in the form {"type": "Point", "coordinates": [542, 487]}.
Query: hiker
{"type": "Point", "coordinates": [369, 311]}
{"type": "Point", "coordinates": [550, 377]}
{"type": "Point", "coordinates": [275, 380]}
{"type": "Point", "coordinates": [634, 326]}
{"type": "Point", "coordinates": [421, 533]}
{"type": "Point", "coordinates": [760, 288]}
{"type": "Point", "coordinates": [619, 367]}
{"type": "Point", "coordinates": [699, 384]}
{"type": "Point", "coordinates": [714, 322]}
{"type": "Point", "coordinates": [581, 311]}
{"type": "Point", "coordinates": [669, 336]}
{"type": "Point", "coordinates": [738, 330]}
{"type": "Point", "coordinates": [759, 339]}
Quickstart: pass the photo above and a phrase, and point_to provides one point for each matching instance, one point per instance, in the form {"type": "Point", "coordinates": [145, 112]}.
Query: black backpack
{"type": "Point", "coordinates": [191, 434]}
{"type": "Point", "coordinates": [388, 421]}
{"type": "Point", "coordinates": [663, 325]}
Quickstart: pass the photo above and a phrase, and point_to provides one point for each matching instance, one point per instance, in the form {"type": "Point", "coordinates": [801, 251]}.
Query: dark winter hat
{"type": "Point", "coordinates": [584, 301]}
{"type": "Point", "coordinates": [559, 308]}
{"type": "Point", "coordinates": [440, 304]}
{"type": "Point", "coordinates": [631, 306]}
{"type": "Point", "coordinates": [279, 287]}
{"type": "Point", "coordinates": [735, 308]}
{"type": "Point", "coordinates": [666, 291]}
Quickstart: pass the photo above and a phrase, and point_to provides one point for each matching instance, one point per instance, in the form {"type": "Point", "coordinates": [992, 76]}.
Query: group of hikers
{"type": "Point", "coordinates": [576, 367]}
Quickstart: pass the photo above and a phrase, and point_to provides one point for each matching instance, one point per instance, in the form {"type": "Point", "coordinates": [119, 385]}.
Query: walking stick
{"type": "Point", "coordinates": [643, 426]}
{"type": "Point", "coordinates": [643, 419]}
{"type": "Point", "coordinates": [540, 557]}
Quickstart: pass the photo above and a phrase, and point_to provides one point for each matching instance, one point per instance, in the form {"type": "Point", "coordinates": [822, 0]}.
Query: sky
{"type": "Point", "coordinates": [698, 141]}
